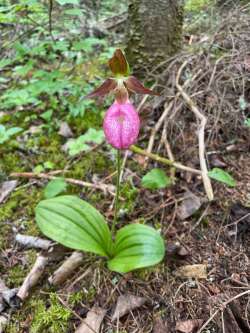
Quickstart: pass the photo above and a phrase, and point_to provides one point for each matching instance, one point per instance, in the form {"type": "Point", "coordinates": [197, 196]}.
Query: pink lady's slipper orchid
{"type": "Point", "coordinates": [121, 122]}
{"type": "Point", "coordinates": [121, 81]}
{"type": "Point", "coordinates": [121, 125]}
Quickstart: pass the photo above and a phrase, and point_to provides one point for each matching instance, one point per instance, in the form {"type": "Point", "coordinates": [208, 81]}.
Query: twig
{"type": "Point", "coordinates": [166, 143]}
{"type": "Point", "coordinates": [103, 187]}
{"type": "Point", "coordinates": [222, 306]}
{"type": "Point", "coordinates": [79, 278]}
{"type": "Point", "coordinates": [33, 242]}
{"type": "Point", "coordinates": [167, 108]}
{"type": "Point", "coordinates": [66, 269]}
{"type": "Point", "coordinates": [33, 277]}
{"type": "Point", "coordinates": [163, 160]}
{"type": "Point", "coordinates": [201, 134]}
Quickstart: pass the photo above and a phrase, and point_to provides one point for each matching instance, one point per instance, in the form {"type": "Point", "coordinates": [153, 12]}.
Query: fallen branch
{"type": "Point", "coordinates": [33, 242]}
{"type": "Point", "coordinates": [201, 134]}
{"type": "Point", "coordinates": [66, 269]}
{"type": "Point", "coordinates": [163, 160]}
{"type": "Point", "coordinates": [103, 187]}
{"type": "Point", "coordinates": [33, 277]}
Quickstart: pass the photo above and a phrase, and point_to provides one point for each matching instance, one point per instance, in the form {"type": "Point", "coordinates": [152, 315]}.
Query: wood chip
{"type": "Point", "coordinates": [188, 206]}
{"type": "Point", "coordinates": [188, 326]}
{"type": "Point", "coordinates": [93, 321]}
{"type": "Point", "coordinates": [127, 303]}
{"type": "Point", "coordinates": [198, 271]}
{"type": "Point", "coordinates": [6, 189]}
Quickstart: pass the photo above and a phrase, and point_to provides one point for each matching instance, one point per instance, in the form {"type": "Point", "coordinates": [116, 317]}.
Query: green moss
{"type": "Point", "coordinates": [16, 276]}
{"type": "Point", "coordinates": [197, 5]}
{"type": "Point", "coordinates": [90, 295]}
{"type": "Point", "coordinates": [129, 193]}
{"type": "Point", "coordinates": [145, 274]}
{"type": "Point", "coordinates": [91, 119]}
{"type": "Point", "coordinates": [91, 163]}
{"type": "Point", "coordinates": [50, 320]}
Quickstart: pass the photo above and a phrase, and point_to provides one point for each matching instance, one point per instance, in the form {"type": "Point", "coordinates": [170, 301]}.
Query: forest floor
{"type": "Point", "coordinates": [203, 284]}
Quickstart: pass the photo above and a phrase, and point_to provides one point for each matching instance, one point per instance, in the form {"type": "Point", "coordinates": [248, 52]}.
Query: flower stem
{"type": "Point", "coordinates": [118, 161]}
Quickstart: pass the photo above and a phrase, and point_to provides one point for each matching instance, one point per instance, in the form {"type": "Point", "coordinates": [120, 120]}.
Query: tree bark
{"type": "Point", "coordinates": [154, 32]}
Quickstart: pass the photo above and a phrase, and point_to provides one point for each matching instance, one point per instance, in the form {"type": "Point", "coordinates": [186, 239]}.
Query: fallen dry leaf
{"type": "Point", "coordinates": [127, 303]}
{"type": "Point", "coordinates": [93, 321]}
{"type": "Point", "coordinates": [6, 189]}
{"type": "Point", "coordinates": [198, 271]}
{"type": "Point", "coordinates": [188, 206]}
{"type": "Point", "coordinates": [188, 326]}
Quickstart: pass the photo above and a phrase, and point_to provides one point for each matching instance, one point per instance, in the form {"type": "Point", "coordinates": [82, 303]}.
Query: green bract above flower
{"type": "Point", "coordinates": [122, 83]}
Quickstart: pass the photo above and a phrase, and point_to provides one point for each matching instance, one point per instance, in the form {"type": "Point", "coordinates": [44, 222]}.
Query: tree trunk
{"type": "Point", "coordinates": [154, 32]}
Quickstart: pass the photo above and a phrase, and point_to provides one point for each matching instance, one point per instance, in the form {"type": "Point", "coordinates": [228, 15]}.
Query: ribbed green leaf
{"type": "Point", "coordinates": [75, 224]}
{"type": "Point", "coordinates": [136, 246]}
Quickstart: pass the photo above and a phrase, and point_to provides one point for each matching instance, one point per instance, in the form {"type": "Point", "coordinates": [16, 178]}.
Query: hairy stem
{"type": "Point", "coordinates": [118, 161]}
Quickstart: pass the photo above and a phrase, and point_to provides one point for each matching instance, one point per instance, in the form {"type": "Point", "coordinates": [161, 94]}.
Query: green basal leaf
{"type": "Point", "coordinates": [74, 223]}
{"type": "Point", "coordinates": [136, 246]}
{"type": "Point", "coordinates": [55, 187]}
{"type": "Point", "coordinates": [156, 179]}
{"type": "Point", "coordinates": [222, 176]}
